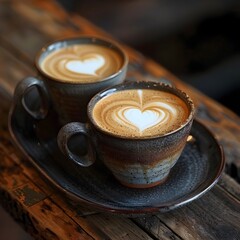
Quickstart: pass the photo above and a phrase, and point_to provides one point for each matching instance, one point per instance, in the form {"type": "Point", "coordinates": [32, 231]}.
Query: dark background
{"type": "Point", "coordinates": [198, 41]}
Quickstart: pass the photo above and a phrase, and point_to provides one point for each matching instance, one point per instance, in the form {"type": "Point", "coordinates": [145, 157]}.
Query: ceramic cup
{"type": "Point", "coordinates": [70, 72]}
{"type": "Point", "coordinates": [138, 130]}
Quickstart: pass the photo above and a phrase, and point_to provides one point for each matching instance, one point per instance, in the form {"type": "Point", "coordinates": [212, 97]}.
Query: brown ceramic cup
{"type": "Point", "coordinates": [138, 130]}
{"type": "Point", "coordinates": [70, 72]}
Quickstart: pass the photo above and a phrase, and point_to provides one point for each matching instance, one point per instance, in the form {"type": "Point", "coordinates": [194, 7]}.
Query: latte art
{"type": "Point", "coordinates": [88, 66]}
{"type": "Point", "coordinates": [82, 63]}
{"type": "Point", "coordinates": [140, 113]}
{"type": "Point", "coordinates": [142, 119]}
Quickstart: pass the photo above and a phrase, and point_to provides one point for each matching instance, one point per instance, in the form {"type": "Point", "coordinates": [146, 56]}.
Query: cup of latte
{"type": "Point", "coordinates": [70, 72]}
{"type": "Point", "coordinates": [138, 130]}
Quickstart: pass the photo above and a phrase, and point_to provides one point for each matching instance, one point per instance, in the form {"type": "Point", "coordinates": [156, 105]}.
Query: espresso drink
{"type": "Point", "coordinates": [140, 113]}
{"type": "Point", "coordinates": [82, 63]}
{"type": "Point", "coordinates": [137, 129]}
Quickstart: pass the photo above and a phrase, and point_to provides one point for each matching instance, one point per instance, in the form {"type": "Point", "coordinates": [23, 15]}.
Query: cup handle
{"type": "Point", "coordinates": [24, 87]}
{"type": "Point", "coordinates": [65, 134]}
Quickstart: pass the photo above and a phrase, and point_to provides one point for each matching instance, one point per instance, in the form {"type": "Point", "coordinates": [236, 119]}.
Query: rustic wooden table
{"type": "Point", "coordinates": [44, 212]}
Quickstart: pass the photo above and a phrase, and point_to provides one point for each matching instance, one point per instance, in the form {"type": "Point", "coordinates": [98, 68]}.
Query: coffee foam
{"type": "Point", "coordinates": [140, 113]}
{"type": "Point", "coordinates": [82, 63]}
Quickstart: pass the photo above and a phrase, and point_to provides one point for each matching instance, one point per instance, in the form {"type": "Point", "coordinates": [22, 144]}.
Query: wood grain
{"type": "Point", "coordinates": [25, 26]}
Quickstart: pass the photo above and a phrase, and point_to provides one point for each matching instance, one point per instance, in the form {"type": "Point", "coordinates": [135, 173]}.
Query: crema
{"type": "Point", "coordinates": [82, 63]}
{"type": "Point", "coordinates": [140, 113]}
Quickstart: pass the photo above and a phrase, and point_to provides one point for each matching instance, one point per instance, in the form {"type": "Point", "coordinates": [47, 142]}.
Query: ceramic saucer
{"type": "Point", "coordinates": [197, 170]}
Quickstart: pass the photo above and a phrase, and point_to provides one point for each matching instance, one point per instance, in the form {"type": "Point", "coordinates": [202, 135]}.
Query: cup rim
{"type": "Point", "coordinates": [78, 39]}
{"type": "Point", "coordinates": [142, 85]}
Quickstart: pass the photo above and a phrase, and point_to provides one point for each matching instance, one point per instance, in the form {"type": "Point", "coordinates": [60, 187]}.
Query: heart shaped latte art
{"type": "Point", "coordinates": [87, 66]}
{"type": "Point", "coordinates": [143, 119]}
{"type": "Point", "coordinates": [140, 113]}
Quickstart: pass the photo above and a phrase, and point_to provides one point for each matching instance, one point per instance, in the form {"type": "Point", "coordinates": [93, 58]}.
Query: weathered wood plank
{"type": "Point", "coordinates": [18, 34]}
{"type": "Point", "coordinates": [154, 226]}
{"type": "Point", "coordinates": [29, 205]}
{"type": "Point", "coordinates": [44, 220]}
{"type": "Point", "coordinates": [206, 218]}
{"type": "Point", "coordinates": [24, 27]}
{"type": "Point", "coordinates": [57, 222]}
{"type": "Point", "coordinates": [117, 227]}
{"type": "Point", "coordinates": [12, 70]}
{"type": "Point", "coordinates": [230, 185]}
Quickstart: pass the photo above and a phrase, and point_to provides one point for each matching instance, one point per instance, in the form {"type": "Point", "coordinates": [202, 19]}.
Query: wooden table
{"type": "Point", "coordinates": [25, 26]}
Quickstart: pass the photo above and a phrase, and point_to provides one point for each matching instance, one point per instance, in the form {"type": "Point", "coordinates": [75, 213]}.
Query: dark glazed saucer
{"type": "Point", "coordinates": [197, 170]}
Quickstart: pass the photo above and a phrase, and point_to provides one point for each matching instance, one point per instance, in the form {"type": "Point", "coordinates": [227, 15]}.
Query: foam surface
{"type": "Point", "coordinates": [82, 63]}
{"type": "Point", "coordinates": [137, 113]}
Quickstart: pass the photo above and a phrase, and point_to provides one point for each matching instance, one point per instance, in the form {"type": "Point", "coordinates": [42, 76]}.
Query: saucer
{"type": "Point", "coordinates": [197, 170]}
